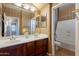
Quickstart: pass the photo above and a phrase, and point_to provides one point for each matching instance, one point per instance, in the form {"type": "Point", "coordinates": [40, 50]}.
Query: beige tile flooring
{"type": "Point", "coordinates": [64, 52]}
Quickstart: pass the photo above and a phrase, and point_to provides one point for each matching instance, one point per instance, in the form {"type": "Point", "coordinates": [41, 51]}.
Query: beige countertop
{"type": "Point", "coordinates": [16, 40]}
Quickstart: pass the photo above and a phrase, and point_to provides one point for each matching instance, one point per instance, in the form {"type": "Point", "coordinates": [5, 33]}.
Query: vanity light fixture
{"type": "Point", "coordinates": [26, 6]}
{"type": "Point", "coordinates": [33, 9]}
{"type": "Point", "coordinates": [18, 4]}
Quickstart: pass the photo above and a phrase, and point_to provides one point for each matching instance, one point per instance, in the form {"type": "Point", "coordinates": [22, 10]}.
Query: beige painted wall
{"type": "Point", "coordinates": [47, 10]}
{"type": "Point", "coordinates": [37, 14]}
{"type": "Point", "coordinates": [44, 12]}
{"type": "Point", "coordinates": [10, 11]}
{"type": "Point", "coordinates": [25, 17]}
{"type": "Point", "coordinates": [49, 30]}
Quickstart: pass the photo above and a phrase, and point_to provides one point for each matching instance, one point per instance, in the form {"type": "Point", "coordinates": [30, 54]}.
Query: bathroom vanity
{"type": "Point", "coordinates": [24, 46]}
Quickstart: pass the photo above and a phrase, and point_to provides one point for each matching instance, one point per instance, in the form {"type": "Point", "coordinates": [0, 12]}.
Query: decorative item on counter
{"type": "Point", "coordinates": [24, 31]}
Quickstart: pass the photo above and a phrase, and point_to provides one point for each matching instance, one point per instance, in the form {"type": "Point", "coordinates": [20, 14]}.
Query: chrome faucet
{"type": "Point", "coordinates": [12, 38]}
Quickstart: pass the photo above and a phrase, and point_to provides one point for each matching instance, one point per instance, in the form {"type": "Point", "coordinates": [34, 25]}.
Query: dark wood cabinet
{"type": "Point", "coordinates": [20, 50]}
{"type": "Point", "coordinates": [12, 51]}
{"type": "Point", "coordinates": [41, 47]}
{"type": "Point", "coordinates": [4, 52]}
{"type": "Point", "coordinates": [45, 47]}
{"type": "Point", "coordinates": [29, 49]}
{"type": "Point", "coordinates": [8, 51]}
{"type": "Point", "coordinates": [34, 48]}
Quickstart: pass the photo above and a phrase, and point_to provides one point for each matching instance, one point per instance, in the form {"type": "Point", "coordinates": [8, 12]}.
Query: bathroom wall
{"type": "Point", "coordinates": [46, 11]}
{"type": "Point", "coordinates": [66, 12]}
{"type": "Point", "coordinates": [37, 15]}
{"type": "Point", "coordinates": [10, 10]}
{"type": "Point", "coordinates": [26, 16]}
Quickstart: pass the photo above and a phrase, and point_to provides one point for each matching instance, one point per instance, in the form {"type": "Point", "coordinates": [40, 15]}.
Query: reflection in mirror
{"type": "Point", "coordinates": [22, 21]}
{"type": "Point", "coordinates": [11, 26]}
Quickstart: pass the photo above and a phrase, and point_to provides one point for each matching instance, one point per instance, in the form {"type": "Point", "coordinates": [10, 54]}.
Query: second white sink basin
{"type": "Point", "coordinates": [12, 41]}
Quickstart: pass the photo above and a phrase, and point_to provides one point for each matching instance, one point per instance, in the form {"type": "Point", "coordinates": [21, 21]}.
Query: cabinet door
{"type": "Point", "coordinates": [17, 50]}
{"type": "Point", "coordinates": [20, 50]}
{"type": "Point", "coordinates": [29, 49]}
{"type": "Point", "coordinates": [9, 51]}
{"type": "Point", "coordinates": [45, 46]}
{"type": "Point", "coordinates": [38, 47]}
{"type": "Point", "coordinates": [41, 47]}
{"type": "Point", "coordinates": [4, 52]}
{"type": "Point", "coordinates": [12, 51]}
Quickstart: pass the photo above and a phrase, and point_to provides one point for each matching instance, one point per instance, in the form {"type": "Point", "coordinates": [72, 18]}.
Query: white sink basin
{"type": "Point", "coordinates": [32, 36]}
{"type": "Point", "coordinates": [3, 41]}
{"type": "Point", "coordinates": [8, 41]}
{"type": "Point", "coordinates": [13, 41]}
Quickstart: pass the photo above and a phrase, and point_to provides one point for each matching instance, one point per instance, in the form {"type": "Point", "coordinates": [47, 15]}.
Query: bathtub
{"type": "Point", "coordinates": [65, 34]}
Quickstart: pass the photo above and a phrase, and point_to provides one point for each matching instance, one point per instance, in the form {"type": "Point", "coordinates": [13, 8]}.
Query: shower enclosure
{"type": "Point", "coordinates": [64, 29]}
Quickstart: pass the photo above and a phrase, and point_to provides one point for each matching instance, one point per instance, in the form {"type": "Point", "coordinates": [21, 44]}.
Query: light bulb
{"type": "Point", "coordinates": [26, 6]}
{"type": "Point", "coordinates": [32, 9]}
{"type": "Point", "coordinates": [18, 4]}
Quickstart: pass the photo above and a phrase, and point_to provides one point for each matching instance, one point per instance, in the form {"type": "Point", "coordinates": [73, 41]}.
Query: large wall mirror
{"type": "Point", "coordinates": [21, 21]}
{"type": "Point", "coordinates": [41, 24]}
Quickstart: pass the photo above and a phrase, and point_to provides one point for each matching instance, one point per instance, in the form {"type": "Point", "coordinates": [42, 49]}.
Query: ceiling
{"type": "Point", "coordinates": [39, 5]}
